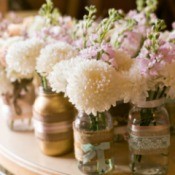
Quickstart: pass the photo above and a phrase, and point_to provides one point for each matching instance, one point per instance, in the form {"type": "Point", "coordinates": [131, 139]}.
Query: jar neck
{"type": "Point", "coordinates": [47, 93]}
{"type": "Point", "coordinates": [151, 103]}
{"type": "Point", "coordinates": [101, 121]}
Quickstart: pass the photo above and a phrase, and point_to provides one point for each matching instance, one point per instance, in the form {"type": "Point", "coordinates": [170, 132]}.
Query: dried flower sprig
{"type": "Point", "coordinates": [50, 13]}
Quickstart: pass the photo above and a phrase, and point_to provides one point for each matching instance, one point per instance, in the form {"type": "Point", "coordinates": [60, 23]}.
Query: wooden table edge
{"type": "Point", "coordinates": [19, 166]}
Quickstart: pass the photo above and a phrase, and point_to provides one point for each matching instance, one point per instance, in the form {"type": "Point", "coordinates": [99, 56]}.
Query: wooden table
{"type": "Point", "coordinates": [20, 154]}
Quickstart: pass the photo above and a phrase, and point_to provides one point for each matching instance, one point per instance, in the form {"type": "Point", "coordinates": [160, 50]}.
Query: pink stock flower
{"type": "Point", "coordinates": [102, 51]}
{"type": "Point", "coordinates": [152, 63]}
{"type": "Point", "coordinates": [131, 43]}
{"type": "Point", "coordinates": [167, 50]}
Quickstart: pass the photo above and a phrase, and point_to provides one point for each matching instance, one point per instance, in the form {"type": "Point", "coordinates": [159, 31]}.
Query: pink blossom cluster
{"type": "Point", "coordinates": [152, 63]}
{"type": "Point", "coordinates": [103, 51]}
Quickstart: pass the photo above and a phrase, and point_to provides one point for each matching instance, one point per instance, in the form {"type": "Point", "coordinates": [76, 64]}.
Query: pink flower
{"type": "Point", "coordinates": [167, 50]}
{"type": "Point", "coordinates": [173, 25]}
{"type": "Point", "coordinates": [102, 51]}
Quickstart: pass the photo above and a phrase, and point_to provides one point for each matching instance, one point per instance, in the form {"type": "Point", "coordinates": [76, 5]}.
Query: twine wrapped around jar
{"type": "Point", "coordinates": [91, 146]}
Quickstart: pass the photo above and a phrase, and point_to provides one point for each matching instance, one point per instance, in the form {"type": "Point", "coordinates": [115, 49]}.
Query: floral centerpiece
{"type": "Point", "coordinates": [18, 60]}
{"type": "Point", "coordinates": [52, 112]}
{"type": "Point", "coordinates": [92, 64]}
{"type": "Point", "coordinates": [91, 81]}
{"type": "Point", "coordinates": [148, 82]}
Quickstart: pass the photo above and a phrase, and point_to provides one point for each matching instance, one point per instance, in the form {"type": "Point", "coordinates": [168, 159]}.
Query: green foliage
{"type": "Point", "coordinates": [88, 21]}
{"type": "Point", "coordinates": [130, 23]}
{"type": "Point", "coordinates": [90, 17]}
{"type": "Point", "coordinates": [158, 26]}
{"type": "Point", "coordinates": [108, 23]}
{"type": "Point", "coordinates": [147, 6]}
{"type": "Point", "coordinates": [50, 13]}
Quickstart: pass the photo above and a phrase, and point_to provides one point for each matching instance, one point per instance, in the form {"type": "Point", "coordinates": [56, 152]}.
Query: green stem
{"type": "Point", "coordinates": [163, 92]}
{"type": "Point", "coordinates": [156, 93]}
{"type": "Point", "coordinates": [11, 124]}
{"type": "Point", "coordinates": [97, 122]}
{"type": "Point", "coordinates": [146, 118]}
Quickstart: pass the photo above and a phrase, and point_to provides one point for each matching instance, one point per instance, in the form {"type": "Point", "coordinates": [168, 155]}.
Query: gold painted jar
{"type": "Point", "coordinates": [52, 118]}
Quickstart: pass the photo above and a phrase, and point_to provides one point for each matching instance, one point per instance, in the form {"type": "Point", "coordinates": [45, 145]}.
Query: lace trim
{"type": "Point", "coordinates": [149, 143]}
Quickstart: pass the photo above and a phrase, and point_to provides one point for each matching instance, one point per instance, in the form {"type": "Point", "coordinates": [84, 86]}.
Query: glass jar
{"type": "Point", "coordinates": [18, 111]}
{"type": "Point", "coordinates": [93, 143]}
{"type": "Point", "coordinates": [53, 115]}
{"type": "Point", "coordinates": [170, 106]}
{"type": "Point", "coordinates": [119, 114]}
{"type": "Point", "coordinates": [149, 138]}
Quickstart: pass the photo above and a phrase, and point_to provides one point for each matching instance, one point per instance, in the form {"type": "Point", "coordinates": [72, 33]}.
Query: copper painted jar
{"type": "Point", "coordinates": [52, 118]}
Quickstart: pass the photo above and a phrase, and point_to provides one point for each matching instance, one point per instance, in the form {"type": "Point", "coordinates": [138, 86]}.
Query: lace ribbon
{"type": "Point", "coordinates": [149, 139]}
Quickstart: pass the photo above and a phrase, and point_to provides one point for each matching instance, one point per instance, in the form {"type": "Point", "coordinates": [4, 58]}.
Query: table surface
{"type": "Point", "coordinates": [20, 154]}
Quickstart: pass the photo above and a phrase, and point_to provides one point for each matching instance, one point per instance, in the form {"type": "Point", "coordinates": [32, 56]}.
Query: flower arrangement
{"type": "Point", "coordinates": [95, 63]}
{"type": "Point", "coordinates": [89, 78]}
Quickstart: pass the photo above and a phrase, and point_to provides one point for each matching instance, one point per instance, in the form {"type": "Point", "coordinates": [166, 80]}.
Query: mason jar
{"type": "Point", "coordinates": [149, 138]}
{"type": "Point", "coordinates": [93, 143]}
{"type": "Point", "coordinates": [18, 111]}
{"type": "Point", "coordinates": [53, 115]}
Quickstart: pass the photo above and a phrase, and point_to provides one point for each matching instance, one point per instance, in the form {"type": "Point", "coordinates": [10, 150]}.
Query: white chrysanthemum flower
{"type": "Point", "coordinates": [38, 23]}
{"type": "Point", "coordinates": [2, 41]}
{"type": "Point", "coordinates": [168, 73]}
{"type": "Point", "coordinates": [21, 58]}
{"type": "Point", "coordinates": [58, 78]}
{"type": "Point", "coordinates": [6, 86]}
{"type": "Point", "coordinates": [9, 41]}
{"type": "Point", "coordinates": [92, 86]}
{"type": "Point", "coordinates": [123, 61]}
{"type": "Point", "coordinates": [52, 54]}
{"type": "Point", "coordinates": [134, 86]}
{"type": "Point", "coordinates": [4, 45]}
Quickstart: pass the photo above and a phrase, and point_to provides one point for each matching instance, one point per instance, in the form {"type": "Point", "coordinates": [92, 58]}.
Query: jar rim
{"type": "Point", "coordinates": [46, 92]}
{"type": "Point", "coordinates": [151, 103]}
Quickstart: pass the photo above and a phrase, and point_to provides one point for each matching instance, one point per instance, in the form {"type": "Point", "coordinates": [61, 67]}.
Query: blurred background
{"type": "Point", "coordinates": [75, 8]}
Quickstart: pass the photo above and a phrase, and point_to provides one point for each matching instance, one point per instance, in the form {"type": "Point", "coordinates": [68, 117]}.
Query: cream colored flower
{"type": "Point", "coordinates": [6, 86]}
{"type": "Point", "coordinates": [134, 86]}
{"type": "Point", "coordinates": [61, 72]}
{"type": "Point", "coordinates": [21, 59]}
{"type": "Point", "coordinates": [38, 23]}
{"type": "Point", "coordinates": [122, 60]}
{"type": "Point", "coordinates": [93, 86]}
{"type": "Point", "coordinates": [52, 54]}
{"type": "Point", "coordinates": [9, 41]}
{"type": "Point", "coordinates": [168, 74]}
{"type": "Point", "coordinates": [4, 45]}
